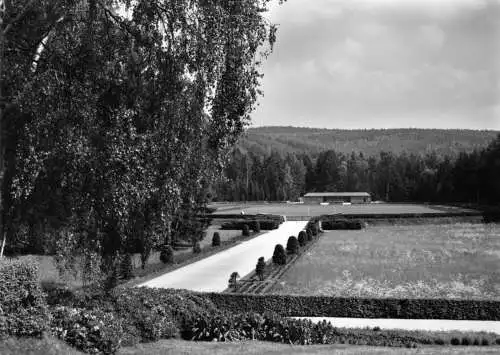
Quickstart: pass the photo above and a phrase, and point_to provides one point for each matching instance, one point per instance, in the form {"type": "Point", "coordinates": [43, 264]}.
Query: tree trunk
{"type": "Point", "coordinates": [2, 41]}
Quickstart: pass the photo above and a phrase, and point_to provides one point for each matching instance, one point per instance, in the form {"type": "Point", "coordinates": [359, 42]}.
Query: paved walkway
{"type": "Point", "coordinates": [413, 324]}
{"type": "Point", "coordinates": [212, 274]}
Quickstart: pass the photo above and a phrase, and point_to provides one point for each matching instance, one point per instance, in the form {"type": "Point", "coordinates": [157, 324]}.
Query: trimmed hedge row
{"type": "Point", "coordinates": [263, 225]}
{"type": "Point", "coordinates": [23, 307]}
{"type": "Point", "coordinates": [251, 217]}
{"type": "Point", "coordinates": [402, 215]}
{"type": "Point", "coordinates": [342, 224]}
{"type": "Point", "coordinates": [324, 306]}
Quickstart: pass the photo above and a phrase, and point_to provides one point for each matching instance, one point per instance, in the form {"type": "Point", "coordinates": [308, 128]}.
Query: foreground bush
{"type": "Point", "coordinates": [142, 314]}
{"type": "Point", "coordinates": [216, 239]}
{"type": "Point", "coordinates": [279, 255]}
{"type": "Point", "coordinates": [292, 245]}
{"type": "Point", "coordinates": [23, 307]}
{"type": "Point", "coordinates": [92, 331]}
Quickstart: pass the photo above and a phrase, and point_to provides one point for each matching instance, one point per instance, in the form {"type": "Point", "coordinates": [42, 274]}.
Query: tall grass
{"type": "Point", "coordinates": [419, 261]}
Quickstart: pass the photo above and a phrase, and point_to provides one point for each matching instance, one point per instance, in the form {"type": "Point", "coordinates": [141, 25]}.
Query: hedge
{"type": "Point", "coordinates": [324, 306]}
{"type": "Point", "coordinates": [260, 217]}
{"type": "Point", "coordinates": [95, 322]}
{"type": "Point", "coordinates": [402, 215]}
{"type": "Point", "coordinates": [342, 224]}
{"type": "Point", "coordinates": [238, 225]}
{"type": "Point", "coordinates": [22, 302]}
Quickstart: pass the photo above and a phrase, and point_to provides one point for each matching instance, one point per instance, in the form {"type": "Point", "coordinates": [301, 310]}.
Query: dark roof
{"type": "Point", "coordinates": [337, 194]}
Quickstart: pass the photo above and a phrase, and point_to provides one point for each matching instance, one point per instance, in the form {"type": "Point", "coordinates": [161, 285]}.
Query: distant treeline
{"type": "Point", "coordinates": [469, 177]}
{"type": "Point", "coordinates": [263, 140]}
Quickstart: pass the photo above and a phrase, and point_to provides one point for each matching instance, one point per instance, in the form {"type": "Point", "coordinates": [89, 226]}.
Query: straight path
{"type": "Point", "coordinates": [412, 324]}
{"type": "Point", "coordinates": [212, 274]}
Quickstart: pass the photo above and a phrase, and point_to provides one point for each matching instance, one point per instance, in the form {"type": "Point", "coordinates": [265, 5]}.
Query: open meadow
{"type": "Point", "coordinates": [460, 260]}
{"type": "Point", "coordinates": [317, 210]}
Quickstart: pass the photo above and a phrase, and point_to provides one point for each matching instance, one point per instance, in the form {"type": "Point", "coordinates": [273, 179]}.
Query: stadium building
{"type": "Point", "coordinates": [336, 197]}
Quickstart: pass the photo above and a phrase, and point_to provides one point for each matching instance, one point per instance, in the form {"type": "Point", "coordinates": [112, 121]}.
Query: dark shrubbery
{"type": "Point", "coordinates": [245, 231]}
{"type": "Point", "coordinates": [126, 268]}
{"type": "Point", "coordinates": [263, 225]}
{"type": "Point", "coordinates": [292, 245]}
{"type": "Point", "coordinates": [23, 307]}
{"type": "Point", "coordinates": [466, 341]}
{"type": "Point", "coordinates": [167, 254]}
{"type": "Point", "coordinates": [342, 224]}
{"type": "Point", "coordinates": [256, 226]}
{"type": "Point", "coordinates": [455, 341]}
{"type": "Point", "coordinates": [196, 248]}
{"type": "Point", "coordinates": [302, 238]}
{"type": "Point", "coordinates": [279, 255]}
{"type": "Point", "coordinates": [260, 267]}
{"type": "Point", "coordinates": [216, 239]}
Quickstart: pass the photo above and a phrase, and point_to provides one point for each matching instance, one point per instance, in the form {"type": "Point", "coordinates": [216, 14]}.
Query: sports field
{"type": "Point", "coordinates": [460, 260]}
{"type": "Point", "coordinates": [317, 210]}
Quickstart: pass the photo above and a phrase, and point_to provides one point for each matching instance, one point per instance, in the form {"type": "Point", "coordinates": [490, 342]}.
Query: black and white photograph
{"type": "Point", "coordinates": [249, 177]}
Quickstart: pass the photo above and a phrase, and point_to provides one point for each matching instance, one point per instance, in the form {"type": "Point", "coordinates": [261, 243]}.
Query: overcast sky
{"type": "Point", "coordinates": [384, 64]}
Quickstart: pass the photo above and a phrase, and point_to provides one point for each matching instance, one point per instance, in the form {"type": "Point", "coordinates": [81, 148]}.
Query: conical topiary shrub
{"type": "Point", "coordinates": [245, 231]}
{"type": "Point", "coordinates": [309, 235]}
{"type": "Point", "coordinates": [196, 248]}
{"type": "Point", "coordinates": [256, 226]}
{"type": "Point", "coordinates": [279, 255]}
{"type": "Point", "coordinates": [302, 238]}
{"type": "Point", "coordinates": [292, 246]}
{"type": "Point", "coordinates": [216, 239]}
{"type": "Point", "coordinates": [260, 267]}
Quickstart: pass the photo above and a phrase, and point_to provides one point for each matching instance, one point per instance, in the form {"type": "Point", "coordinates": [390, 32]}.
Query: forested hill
{"type": "Point", "coordinates": [262, 140]}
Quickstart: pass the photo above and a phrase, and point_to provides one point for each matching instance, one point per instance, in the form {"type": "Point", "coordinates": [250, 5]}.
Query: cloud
{"type": "Point", "coordinates": [353, 48]}
{"type": "Point", "coordinates": [433, 36]}
{"type": "Point", "coordinates": [404, 63]}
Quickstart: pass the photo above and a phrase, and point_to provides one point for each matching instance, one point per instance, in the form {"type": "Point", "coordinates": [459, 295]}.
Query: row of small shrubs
{"type": "Point", "coordinates": [325, 306]}
{"type": "Point", "coordinates": [294, 243]}
{"type": "Point", "coordinates": [254, 225]}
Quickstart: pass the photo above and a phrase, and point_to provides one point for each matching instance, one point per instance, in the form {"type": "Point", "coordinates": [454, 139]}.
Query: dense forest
{"type": "Point", "coordinates": [263, 140]}
{"type": "Point", "coordinates": [469, 177]}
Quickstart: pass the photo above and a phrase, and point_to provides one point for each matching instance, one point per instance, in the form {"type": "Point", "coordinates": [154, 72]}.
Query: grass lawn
{"type": "Point", "coordinates": [33, 346]}
{"type": "Point", "coordinates": [459, 260]}
{"type": "Point", "coordinates": [316, 210]}
{"type": "Point", "coordinates": [179, 347]}
{"type": "Point", "coordinates": [51, 346]}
